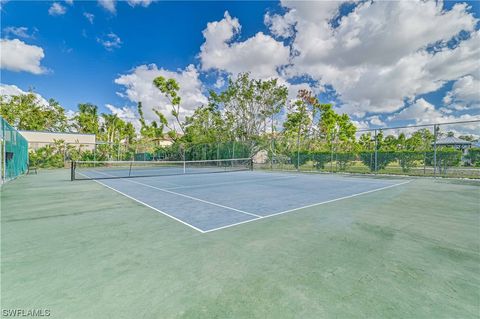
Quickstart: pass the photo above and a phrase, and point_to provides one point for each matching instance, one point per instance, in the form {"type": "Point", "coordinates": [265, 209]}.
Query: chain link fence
{"type": "Point", "coordinates": [60, 154]}
{"type": "Point", "coordinates": [446, 149]}
{"type": "Point", "coordinates": [13, 153]}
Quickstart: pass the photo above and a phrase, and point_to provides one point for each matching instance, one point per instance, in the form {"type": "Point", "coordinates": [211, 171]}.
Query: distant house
{"type": "Point", "coordinates": [454, 142]}
{"type": "Point", "coordinates": [164, 141]}
{"type": "Point", "coordinates": [37, 139]}
{"type": "Point", "coordinates": [457, 143]}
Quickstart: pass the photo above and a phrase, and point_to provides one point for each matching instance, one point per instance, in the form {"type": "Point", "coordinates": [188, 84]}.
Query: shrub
{"type": "Point", "coordinates": [383, 159]}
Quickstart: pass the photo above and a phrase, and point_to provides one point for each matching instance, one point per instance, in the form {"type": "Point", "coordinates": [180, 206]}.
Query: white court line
{"type": "Point", "coordinates": [119, 177]}
{"type": "Point", "coordinates": [307, 206]}
{"type": "Point", "coordinates": [197, 199]}
{"type": "Point", "coordinates": [190, 197]}
{"type": "Point", "coordinates": [246, 221]}
{"type": "Point", "coordinates": [145, 204]}
{"type": "Point", "coordinates": [233, 182]}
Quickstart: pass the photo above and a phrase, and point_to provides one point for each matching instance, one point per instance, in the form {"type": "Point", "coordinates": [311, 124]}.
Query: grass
{"type": "Point", "coordinates": [83, 251]}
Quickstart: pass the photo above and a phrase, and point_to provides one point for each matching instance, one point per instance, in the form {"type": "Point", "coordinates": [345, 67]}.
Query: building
{"type": "Point", "coordinates": [37, 139]}
{"type": "Point", "coordinates": [455, 142]}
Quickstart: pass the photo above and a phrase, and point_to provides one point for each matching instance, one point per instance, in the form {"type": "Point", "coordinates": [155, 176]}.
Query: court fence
{"type": "Point", "coordinates": [443, 149]}
{"type": "Point", "coordinates": [60, 154]}
{"type": "Point", "coordinates": [13, 153]}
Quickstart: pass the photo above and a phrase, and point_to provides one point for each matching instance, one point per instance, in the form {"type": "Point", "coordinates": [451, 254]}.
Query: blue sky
{"type": "Point", "coordinates": [168, 34]}
{"type": "Point", "coordinates": [374, 61]}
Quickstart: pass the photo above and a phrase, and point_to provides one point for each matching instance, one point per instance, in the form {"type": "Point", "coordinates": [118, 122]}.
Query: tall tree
{"type": "Point", "coordinates": [154, 130]}
{"type": "Point", "coordinates": [87, 120]}
{"type": "Point", "coordinates": [318, 122]}
{"type": "Point", "coordinates": [170, 88]}
{"type": "Point", "coordinates": [249, 104]}
{"type": "Point", "coordinates": [207, 125]}
{"type": "Point", "coordinates": [27, 112]}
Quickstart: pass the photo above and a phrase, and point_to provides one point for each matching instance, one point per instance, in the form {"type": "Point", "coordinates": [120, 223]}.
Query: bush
{"type": "Point", "coordinates": [48, 156]}
{"type": "Point", "coordinates": [300, 159]}
{"type": "Point", "coordinates": [407, 159]}
{"type": "Point", "coordinates": [474, 156]}
{"type": "Point", "coordinates": [344, 159]}
{"type": "Point", "coordinates": [383, 159]}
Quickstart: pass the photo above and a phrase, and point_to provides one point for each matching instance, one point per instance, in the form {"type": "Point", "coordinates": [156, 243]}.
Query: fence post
{"type": "Point", "coordinates": [4, 162]}
{"type": "Point", "coordinates": [376, 152]}
{"type": "Point", "coordinates": [331, 159]}
{"type": "Point", "coordinates": [272, 147]}
{"type": "Point", "coordinates": [435, 129]}
{"type": "Point", "coordinates": [72, 170]}
{"type": "Point", "coordinates": [298, 151]}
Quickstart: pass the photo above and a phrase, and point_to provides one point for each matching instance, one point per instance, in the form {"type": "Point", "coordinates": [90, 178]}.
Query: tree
{"type": "Point", "coordinates": [152, 130]}
{"type": "Point", "coordinates": [249, 104]}
{"type": "Point", "coordinates": [26, 112]}
{"type": "Point", "coordinates": [86, 121]}
{"type": "Point", "coordinates": [206, 125]}
{"type": "Point", "coordinates": [128, 133]}
{"type": "Point", "coordinates": [298, 122]}
{"type": "Point", "coordinates": [170, 88]}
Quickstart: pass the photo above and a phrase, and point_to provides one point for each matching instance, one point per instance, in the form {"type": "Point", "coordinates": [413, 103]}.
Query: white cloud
{"type": "Point", "coordinates": [261, 54]}
{"type": "Point", "coordinates": [219, 83]}
{"type": "Point", "coordinates": [126, 113]}
{"type": "Point", "coordinates": [56, 9]}
{"type": "Point", "coordinates": [294, 88]}
{"type": "Point", "coordinates": [361, 124]}
{"type": "Point", "coordinates": [281, 26]}
{"type": "Point", "coordinates": [465, 94]}
{"type": "Point", "coordinates": [423, 112]}
{"type": "Point", "coordinates": [143, 3]}
{"type": "Point", "coordinates": [110, 41]}
{"type": "Point", "coordinates": [139, 88]}
{"type": "Point", "coordinates": [10, 90]}
{"type": "Point", "coordinates": [377, 56]}
{"type": "Point", "coordinates": [20, 32]}
{"type": "Point", "coordinates": [109, 5]}
{"type": "Point", "coordinates": [89, 17]}
{"type": "Point", "coordinates": [375, 120]}
{"type": "Point", "coordinates": [18, 56]}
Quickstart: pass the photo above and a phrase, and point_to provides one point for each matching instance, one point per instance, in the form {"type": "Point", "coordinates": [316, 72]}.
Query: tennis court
{"type": "Point", "coordinates": [190, 193]}
{"type": "Point", "coordinates": [375, 248]}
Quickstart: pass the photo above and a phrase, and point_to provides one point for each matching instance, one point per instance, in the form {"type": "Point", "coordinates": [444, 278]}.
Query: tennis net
{"type": "Point", "coordinates": [84, 170]}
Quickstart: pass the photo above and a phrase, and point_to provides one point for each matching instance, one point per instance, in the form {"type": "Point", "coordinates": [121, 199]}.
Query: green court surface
{"type": "Point", "coordinates": [81, 250]}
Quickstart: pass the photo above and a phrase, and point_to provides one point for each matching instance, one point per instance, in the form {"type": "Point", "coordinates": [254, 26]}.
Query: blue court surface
{"type": "Point", "coordinates": [209, 202]}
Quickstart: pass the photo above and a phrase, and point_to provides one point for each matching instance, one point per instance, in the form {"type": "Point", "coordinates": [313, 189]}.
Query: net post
{"type": "Point", "coordinates": [251, 164]}
{"type": "Point", "coordinates": [72, 170]}
{"type": "Point", "coordinates": [184, 166]}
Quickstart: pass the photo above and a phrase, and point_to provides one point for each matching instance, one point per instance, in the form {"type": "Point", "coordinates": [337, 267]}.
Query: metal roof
{"type": "Point", "coordinates": [452, 140]}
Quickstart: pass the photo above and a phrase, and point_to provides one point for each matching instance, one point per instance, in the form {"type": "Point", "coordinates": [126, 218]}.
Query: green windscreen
{"type": "Point", "coordinates": [14, 151]}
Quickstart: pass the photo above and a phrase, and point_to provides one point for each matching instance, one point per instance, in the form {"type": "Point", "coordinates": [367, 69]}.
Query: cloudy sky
{"type": "Point", "coordinates": [383, 63]}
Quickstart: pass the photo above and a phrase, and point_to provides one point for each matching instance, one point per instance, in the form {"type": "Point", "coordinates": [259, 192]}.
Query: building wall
{"type": "Point", "coordinates": [40, 139]}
